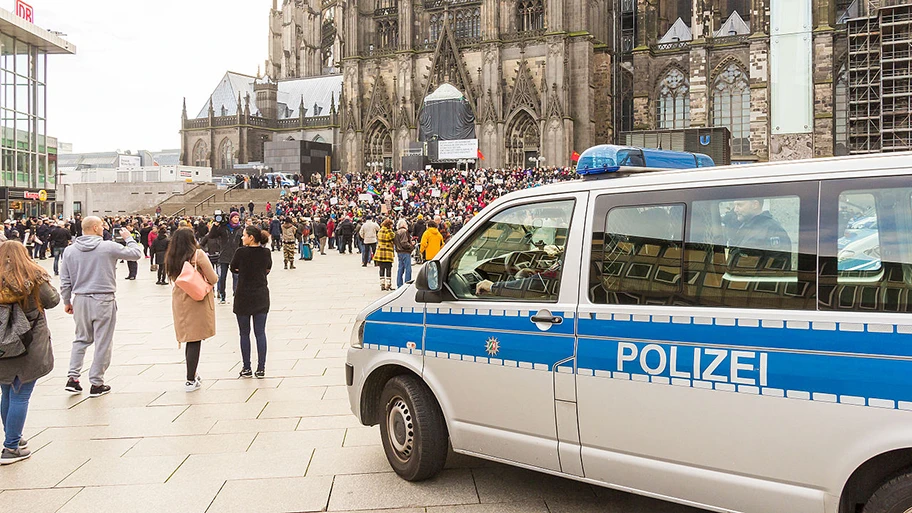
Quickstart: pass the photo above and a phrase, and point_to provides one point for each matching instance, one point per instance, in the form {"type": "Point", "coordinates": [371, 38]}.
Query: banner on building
{"type": "Point", "coordinates": [457, 149]}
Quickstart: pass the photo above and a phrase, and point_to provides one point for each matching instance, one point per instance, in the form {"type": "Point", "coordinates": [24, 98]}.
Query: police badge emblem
{"type": "Point", "coordinates": [492, 346]}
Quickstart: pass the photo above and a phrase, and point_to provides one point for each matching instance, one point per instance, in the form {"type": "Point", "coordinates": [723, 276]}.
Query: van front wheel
{"type": "Point", "coordinates": [413, 430]}
{"type": "Point", "coordinates": [895, 496]}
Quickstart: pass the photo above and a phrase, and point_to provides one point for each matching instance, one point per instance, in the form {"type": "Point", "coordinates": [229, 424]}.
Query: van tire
{"type": "Point", "coordinates": [895, 496]}
{"type": "Point", "coordinates": [412, 429]}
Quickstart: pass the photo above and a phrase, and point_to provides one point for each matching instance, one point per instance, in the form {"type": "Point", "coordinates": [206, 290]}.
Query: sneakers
{"type": "Point", "coordinates": [193, 386]}
{"type": "Point", "coordinates": [245, 373]}
{"type": "Point", "coordinates": [260, 374]}
{"type": "Point", "coordinates": [99, 390]}
{"type": "Point", "coordinates": [23, 443]}
{"type": "Point", "coordinates": [13, 455]}
{"type": "Point", "coordinates": [73, 386]}
{"type": "Point", "coordinates": [223, 302]}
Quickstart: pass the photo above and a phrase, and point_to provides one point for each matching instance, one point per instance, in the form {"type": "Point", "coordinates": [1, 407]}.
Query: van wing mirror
{"type": "Point", "coordinates": [429, 277]}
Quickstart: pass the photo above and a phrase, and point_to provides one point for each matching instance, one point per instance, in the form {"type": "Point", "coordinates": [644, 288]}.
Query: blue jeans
{"type": "Point", "coordinates": [404, 272]}
{"type": "Point", "coordinates": [13, 408]}
{"type": "Point", "coordinates": [223, 279]}
{"type": "Point", "coordinates": [57, 252]}
{"type": "Point", "coordinates": [259, 331]}
{"type": "Point", "coordinates": [367, 252]}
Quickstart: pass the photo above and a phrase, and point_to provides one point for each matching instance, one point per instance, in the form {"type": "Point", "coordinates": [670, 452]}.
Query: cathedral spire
{"type": "Point", "coordinates": [332, 103]}
{"type": "Point", "coordinates": [211, 108]}
{"type": "Point", "coordinates": [301, 109]}
{"type": "Point", "coordinates": [184, 112]}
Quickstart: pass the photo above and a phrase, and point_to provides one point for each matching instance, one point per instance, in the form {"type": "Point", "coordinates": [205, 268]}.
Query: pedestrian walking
{"type": "Point", "coordinates": [194, 321]}
{"type": "Point", "coordinates": [402, 243]}
{"type": "Point", "coordinates": [25, 292]}
{"type": "Point", "coordinates": [252, 264]}
{"type": "Point", "coordinates": [159, 248]}
{"type": "Point", "coordinates": [87, 287]}
{"type": "Point", "coordinates": [59, 240]}
{"type": "Point", "coordinates": [384, 254]}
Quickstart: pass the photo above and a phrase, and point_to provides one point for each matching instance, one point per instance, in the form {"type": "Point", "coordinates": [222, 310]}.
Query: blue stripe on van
{"type": "Point", "coordinates": [840, 340]}
{"type": "Point", "coordinates": [393, 335]}
{"type": "Point", "coordinates": [511, 347]}
{"type": "Point", "coordinates": [832, 378]}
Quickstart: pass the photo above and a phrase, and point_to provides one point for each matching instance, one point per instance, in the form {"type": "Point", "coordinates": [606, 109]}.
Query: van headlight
{"type": "Point", "coordinates": [357, 338]}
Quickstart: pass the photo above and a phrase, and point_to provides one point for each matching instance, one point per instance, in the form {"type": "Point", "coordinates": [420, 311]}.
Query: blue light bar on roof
{"type": "Point", "coordinates": [610, 158]}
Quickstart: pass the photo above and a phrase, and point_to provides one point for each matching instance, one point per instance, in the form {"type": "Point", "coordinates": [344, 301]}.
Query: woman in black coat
{"type": "Point", "coordinates": [252, 264]}
{"type": "Point", "coordinates": [159, 248]}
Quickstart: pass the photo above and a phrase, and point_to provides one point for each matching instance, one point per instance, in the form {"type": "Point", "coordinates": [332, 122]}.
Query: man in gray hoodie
{"type": "Point", "coordinates": [87, 286]}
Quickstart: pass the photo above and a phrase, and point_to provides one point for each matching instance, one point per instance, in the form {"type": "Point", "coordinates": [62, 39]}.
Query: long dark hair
{"type": "Point", "coordinates": [181, 248]}
{"type": "Point", "coordinates": [19, 274]}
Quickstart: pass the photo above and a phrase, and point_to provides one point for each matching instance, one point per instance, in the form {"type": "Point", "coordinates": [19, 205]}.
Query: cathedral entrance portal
{"type": "Point", "coordinates": [523, 141]}
{"type": "Point", "coordinates": [378, 152]}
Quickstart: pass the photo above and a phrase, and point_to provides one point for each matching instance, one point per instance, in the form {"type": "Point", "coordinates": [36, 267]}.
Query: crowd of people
{"type": "Point", "coordinates": [387, 217]}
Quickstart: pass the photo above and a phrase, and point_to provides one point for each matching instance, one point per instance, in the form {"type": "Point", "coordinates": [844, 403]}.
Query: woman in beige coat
{"type": "Point", "coordinates": [194, 321]}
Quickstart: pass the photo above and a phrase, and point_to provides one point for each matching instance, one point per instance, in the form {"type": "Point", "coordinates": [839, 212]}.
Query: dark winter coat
{"type": "Point", "coordinates": [39, 360]}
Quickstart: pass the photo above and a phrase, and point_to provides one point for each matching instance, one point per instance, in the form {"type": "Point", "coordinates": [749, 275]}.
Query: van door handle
{"type": "Point", "coordinates": [545, 316]}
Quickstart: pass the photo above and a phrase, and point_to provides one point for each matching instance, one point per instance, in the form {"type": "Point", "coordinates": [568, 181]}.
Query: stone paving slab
{"type": "Point", "coordinates": [287, 443]}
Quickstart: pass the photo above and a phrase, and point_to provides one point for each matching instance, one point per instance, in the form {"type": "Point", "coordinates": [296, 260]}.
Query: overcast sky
{"type": "Point", "coordinates": [135, 62]}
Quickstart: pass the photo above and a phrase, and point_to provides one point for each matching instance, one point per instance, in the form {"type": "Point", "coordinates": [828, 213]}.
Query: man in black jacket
{"type": "Point", "coordinates": [321, 234]}
{"type": "Point", "coordinates": [229, 235]}
{"type": "Point", "coordinates": [347, 229]}
{"type": "Point", "coordinates": [59, 240]}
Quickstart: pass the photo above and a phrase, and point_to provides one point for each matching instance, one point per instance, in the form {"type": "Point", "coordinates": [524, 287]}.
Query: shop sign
{"type": "Point", "coordinates": [31, 195]}
{"type": "Point", "coordinates": [42, 195]}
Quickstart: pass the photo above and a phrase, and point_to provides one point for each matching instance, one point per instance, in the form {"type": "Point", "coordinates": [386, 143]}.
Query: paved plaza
{"type": "Point", "coordinates": [286, 443]}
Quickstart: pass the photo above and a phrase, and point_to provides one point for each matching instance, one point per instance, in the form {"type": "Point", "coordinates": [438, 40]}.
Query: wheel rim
{"type": "Point", "coordinates": [400, 429]}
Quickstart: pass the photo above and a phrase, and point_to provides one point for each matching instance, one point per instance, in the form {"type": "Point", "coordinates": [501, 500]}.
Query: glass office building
{"type": "Point", "coordinates": [28, 157]}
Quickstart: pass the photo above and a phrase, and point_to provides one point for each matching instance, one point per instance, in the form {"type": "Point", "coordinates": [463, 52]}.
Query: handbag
{"type": "Point", "coordinates": [192, 282]}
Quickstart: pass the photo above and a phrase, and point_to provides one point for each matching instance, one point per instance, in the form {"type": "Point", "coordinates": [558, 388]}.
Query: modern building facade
{"type": "Point", "coordinates": [28, 157]}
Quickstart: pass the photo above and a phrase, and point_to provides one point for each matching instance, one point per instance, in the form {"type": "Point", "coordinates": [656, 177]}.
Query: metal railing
{"type": "Point", "coordinates": [231, 189]}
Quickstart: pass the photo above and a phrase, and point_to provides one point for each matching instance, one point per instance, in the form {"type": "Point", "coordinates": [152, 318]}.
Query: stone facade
{"type": "Point", "coordinates": [542, 78]}
{"type": "Point", "coordinates": [706, 61]}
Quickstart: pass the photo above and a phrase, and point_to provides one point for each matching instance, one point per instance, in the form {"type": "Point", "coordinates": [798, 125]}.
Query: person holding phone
{"type": "Point", "coordinates": [87, 287]}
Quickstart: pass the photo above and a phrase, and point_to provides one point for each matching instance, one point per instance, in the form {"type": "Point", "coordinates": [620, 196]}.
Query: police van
{"type": "Point", "coordinates": [731, 338]}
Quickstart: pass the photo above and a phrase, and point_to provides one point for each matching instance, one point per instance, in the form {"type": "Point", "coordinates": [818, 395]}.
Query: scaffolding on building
{"type": "Point", "coordinates": [864, 85]}
{"type": "Point", "coordinates": [896, 77]}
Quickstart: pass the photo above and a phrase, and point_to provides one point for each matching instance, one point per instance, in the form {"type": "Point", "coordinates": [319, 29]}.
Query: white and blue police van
{"type": "Point", "coordinates": [736, 338]}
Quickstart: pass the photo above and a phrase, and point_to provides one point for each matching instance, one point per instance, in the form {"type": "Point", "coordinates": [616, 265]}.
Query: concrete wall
{"type": "Point", "coordinates": [119, 198]}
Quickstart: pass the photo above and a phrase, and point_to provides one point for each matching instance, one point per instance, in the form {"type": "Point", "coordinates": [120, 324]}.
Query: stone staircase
{"type": "Point", "coordinates": [204, 201]}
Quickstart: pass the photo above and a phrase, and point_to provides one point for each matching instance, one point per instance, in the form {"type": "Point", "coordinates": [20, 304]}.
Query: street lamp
{"type": "Point", "coordinates": [537, 161]}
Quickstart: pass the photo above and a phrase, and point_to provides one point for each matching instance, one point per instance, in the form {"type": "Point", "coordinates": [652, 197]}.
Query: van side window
{"type": "Point", "coordinates": [745, 246]}
{"type": "Point", "coordinates": [637, 260]}
{"type": "Point", "coordinates": [743, 252]}
{"type": "Point", "coordinates": [517, 256]}
{"type": "Point", "coordinates": [866, 246]}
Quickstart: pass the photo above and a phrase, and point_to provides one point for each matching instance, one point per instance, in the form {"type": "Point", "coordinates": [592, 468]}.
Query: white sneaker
{"type": "Point", "coordinates": [192, 386]}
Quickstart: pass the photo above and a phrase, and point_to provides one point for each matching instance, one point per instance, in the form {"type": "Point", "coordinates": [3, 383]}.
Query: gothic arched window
{"type": "Point", "coordinates": [841, 112]}
{"type": "Point", "coordinates": [436, 26]}
{"type": "Point", "coordinates": [530, 15]}
{"type": "Point", "coordinates": [731, 106]}
{"type": "Point", "coordinates": [673, 101]}
{"type": "Point", "coordinates": [468, 23]}
{"type": "Point", "coordinates": [200, 154]}
{"type": "Point", "coordinates": [388, 33]}
{"type": "Point", "coordinates": [226, 154]}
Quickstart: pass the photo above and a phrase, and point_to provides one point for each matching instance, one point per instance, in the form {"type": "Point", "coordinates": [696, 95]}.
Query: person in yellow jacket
{"type": "Point", "coordinates": [431, 241]}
